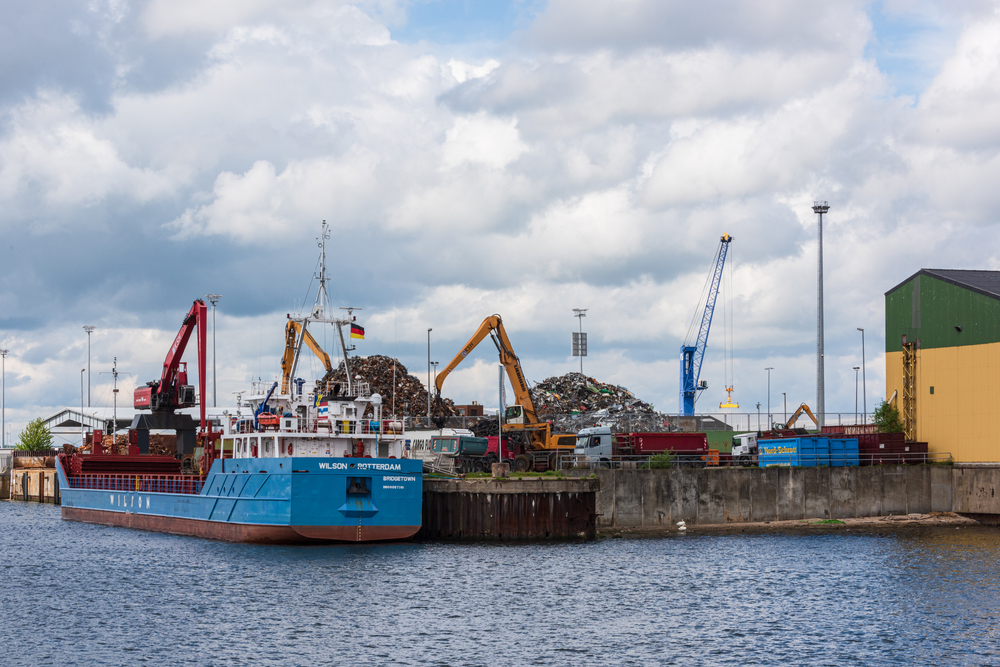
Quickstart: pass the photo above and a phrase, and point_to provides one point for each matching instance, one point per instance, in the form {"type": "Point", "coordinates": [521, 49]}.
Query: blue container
{"type": "Point", "coordinates": [786, 452]}
{"type": "Point", "coordinates": [844, 452]}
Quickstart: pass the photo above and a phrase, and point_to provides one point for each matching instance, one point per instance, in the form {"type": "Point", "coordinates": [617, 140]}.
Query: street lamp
{"type": "Point", "coordinates": [214, 298]}
{"type": "Point", "coordinates": [856, 369]}
{"type": "Point", "coordinates": [864, 384]}
{"type": "Point", "coordinates": [770, 423]}
{"type": "Point", "coordinates": [89, 329]}
{"type": "Point", "coordinates": [429, 330]}
{"type": "Point", "coordinates": [3, 398]}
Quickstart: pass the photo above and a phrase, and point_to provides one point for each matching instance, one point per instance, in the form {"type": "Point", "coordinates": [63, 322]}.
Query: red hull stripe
{"type": "Point", "coordinates": [241, 532]}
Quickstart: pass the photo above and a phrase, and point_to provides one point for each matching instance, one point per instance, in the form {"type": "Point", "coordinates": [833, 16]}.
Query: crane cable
{"type": "Point", "coordinates": [695, 327]}
{"type": "Point", "coordinates": [729, 326]}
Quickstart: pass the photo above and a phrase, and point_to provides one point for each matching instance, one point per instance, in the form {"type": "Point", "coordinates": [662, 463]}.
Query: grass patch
{"type": "Point", "coordinates": [829, 522]}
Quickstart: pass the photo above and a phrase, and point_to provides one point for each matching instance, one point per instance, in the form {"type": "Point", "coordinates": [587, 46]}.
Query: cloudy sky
{"type": "Point", "coordinates": [524, 158]}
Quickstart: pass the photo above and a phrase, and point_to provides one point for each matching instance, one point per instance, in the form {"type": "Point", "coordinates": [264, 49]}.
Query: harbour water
{"type": "Point", "coordinates": [78, 594]}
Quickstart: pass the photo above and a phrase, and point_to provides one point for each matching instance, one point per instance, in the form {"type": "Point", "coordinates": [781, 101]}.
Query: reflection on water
{"type": "Point", "coordinates": [93, 595]}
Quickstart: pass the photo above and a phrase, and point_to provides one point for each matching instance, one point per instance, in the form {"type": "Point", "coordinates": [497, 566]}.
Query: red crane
{"type": "Point", "coordinates": [172, 391]}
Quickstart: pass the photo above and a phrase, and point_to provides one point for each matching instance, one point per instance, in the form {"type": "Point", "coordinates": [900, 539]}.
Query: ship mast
{"type": "Point", "coordinates": [319, 313]}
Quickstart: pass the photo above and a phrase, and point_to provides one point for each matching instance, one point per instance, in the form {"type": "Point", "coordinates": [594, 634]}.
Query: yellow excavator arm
{"type": "Point", "coordinates": [292, 330]}
{"type": "Point", "coordinates": [494, 325]}
{"type": "Point", "coordinates": [795, 415]}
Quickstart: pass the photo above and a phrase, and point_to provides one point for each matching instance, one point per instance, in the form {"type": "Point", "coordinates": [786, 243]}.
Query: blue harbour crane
{"type": "Point", "coordinates": [693, 355]}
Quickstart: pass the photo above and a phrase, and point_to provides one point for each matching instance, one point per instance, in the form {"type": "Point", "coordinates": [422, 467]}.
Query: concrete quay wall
{"type": "Point", "coordinates": [655, 498]}
{"type": "Point", "coordinates": [977, 491]}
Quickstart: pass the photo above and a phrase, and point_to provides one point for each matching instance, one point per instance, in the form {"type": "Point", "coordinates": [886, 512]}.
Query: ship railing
{"type": "Point", "coordinates": [142, 483]}
{"type": "Point", "coordinates": [385, 427]}
{"type": "Point", "coordinates": [354, 426]}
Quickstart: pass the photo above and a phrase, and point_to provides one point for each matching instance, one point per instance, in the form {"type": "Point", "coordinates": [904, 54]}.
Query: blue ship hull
{"type": "Point", "coordinates": [270, 500]}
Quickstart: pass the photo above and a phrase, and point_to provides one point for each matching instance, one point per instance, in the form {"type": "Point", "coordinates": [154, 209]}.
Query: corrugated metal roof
{"type": "Point", "coordinates": [984, 282]}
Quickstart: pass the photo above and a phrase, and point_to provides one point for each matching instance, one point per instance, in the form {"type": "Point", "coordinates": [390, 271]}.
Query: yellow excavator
{"type": "Point", "coordinates": [790, 424]}
{"type": "Point", "coordinates": [542, 444]}
{"type": "Point", "coordinates": [292, 330]}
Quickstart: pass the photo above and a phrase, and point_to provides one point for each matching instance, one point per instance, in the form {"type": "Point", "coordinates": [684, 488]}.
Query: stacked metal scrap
{"type": "Point", "coordinates": [575, 401]}
{"type": "Point", "coordinates": [576, 393]}
{"type": "Point", "coordinates": [377, 371]}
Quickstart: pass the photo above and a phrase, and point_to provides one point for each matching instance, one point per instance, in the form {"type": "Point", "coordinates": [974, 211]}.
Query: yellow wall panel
{"type": "Point", "coordinates": [963, 413]}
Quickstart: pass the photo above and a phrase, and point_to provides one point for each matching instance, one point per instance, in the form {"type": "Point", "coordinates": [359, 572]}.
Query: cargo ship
{"type": "Point", "coordinates": [311, 462]}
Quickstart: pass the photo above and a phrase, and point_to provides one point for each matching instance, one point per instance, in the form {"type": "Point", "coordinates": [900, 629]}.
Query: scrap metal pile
{"type": "Point", "coordinates": [575, 401]}
{"type": "Point", "coordinates": [377, 371]}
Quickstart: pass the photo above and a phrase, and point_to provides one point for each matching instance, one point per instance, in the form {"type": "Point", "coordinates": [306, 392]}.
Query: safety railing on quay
{"type": "Point", "coordinates": [141, 483]}
{"type": "Point", "coordinates": [631, 421]}
{"type": "Point", "coordinates": [580, 461]}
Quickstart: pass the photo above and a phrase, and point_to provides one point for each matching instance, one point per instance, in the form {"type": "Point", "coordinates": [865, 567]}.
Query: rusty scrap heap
{"type": "Point", "coordinates": [575, 401]}
{"type": "Point", "coordinates": [377, 371]}
{"type": "Point", "coordinates": [574, 392]}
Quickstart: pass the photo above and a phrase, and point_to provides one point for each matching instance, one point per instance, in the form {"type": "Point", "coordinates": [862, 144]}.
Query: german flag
{"type": "Point", "coordinates": [357, 331]}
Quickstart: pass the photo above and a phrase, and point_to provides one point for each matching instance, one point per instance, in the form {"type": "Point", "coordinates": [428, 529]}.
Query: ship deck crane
{"type": "Point", "coordinates": [171, 392]}
{"type": "Point", "coordinates": [692, 356]}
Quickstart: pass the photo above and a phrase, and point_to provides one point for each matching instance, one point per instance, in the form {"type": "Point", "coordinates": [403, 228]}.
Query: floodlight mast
{"type": "Point", "coordinates": [89, 329]}
{"type": "Point", "coordinates": [581, 345]}
{"type": "Point", "coordinates": [819, 208]}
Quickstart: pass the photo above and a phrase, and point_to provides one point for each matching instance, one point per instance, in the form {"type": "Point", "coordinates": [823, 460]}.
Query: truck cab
{"type": "Point", "coordinates": [745, 449]}
{"type": "Point", "coordinates": [595, 443]}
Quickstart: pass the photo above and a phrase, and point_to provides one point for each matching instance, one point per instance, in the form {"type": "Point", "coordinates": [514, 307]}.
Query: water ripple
{"type": "Point", "coordinates": [92, 595]}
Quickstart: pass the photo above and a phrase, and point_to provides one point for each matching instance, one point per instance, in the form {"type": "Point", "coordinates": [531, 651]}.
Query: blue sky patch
{"type": "Point", "coordinates": [465, 21]}
{"type": "Point", "coordinates": [909, 46]}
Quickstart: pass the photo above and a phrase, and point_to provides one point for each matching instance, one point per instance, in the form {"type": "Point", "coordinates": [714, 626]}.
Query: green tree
{"type": "Point", "coordinates": [35, 437]}
{"type": "Point", "coordinates": [887, 418]}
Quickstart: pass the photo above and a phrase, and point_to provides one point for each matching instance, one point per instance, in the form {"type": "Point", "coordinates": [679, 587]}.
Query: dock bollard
{"type": "Point", "coordinates": [501, 470]}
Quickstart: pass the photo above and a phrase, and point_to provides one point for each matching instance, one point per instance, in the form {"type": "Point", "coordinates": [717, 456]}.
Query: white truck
{"type": "Point", "coordinates": [745, 449]}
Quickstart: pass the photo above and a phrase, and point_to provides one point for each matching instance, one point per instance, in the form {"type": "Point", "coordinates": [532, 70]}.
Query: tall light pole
{"type": "Point", "coordinates": [580, 344]}
{"type": "Point", "coordinates": [856, 368]}
{"type": "Point", "coordinates": [784, 400]}
{"type": "Point", "coordinates": [3, 398]}
{"type": "Point", "coordinates": [214, 298]}
{"type": "Point", "coordinates": [89, 329]}
{"type": "Point", "coordinates": [864, 384]}
{"type": "Point", "coordinates": [770, 419]}
{"type": "Point", "coordinates": [83, 432]}
{"type": "Point", "coordinates": [819, 208]}
{"type": "Point", "coordinates": [429, 330]}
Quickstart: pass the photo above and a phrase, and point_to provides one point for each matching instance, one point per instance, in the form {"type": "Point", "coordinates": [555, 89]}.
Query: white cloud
{"type": "Point", "coordinates": [481, 138]}
{"type": "Point", "coordinates": [262, 205]}
{"type": "Point", "coordinates": [52, 152]}
{"type": "Point", "coordinates": [463, 71]}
